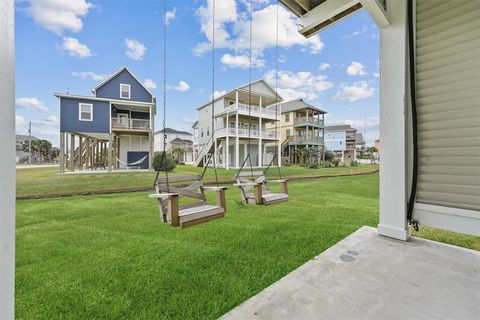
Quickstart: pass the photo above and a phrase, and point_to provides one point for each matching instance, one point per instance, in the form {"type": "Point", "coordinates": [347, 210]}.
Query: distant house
{"type": "Point", "coordinates": [112, 129]}
{"type": "Point", "coordinates": [22, 156]}
{"type": "Point", "coordinates": [341, 140]}
{"type": "Point", "coordinates": [301, 126]}
{"type": "Point", "coordinates": [176, 139]}
{"type": "Point", "coordinates": [360, 145]}
{"type": "Point", "coordinates": [240, 119]}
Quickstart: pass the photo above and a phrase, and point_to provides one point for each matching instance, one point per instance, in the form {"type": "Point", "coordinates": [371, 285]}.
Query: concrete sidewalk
{"type": "Point", "coordinates": [366, 276]}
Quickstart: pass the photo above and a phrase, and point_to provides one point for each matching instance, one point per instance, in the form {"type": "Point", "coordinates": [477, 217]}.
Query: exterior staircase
{"type": "Point", "coordinates": [204, 154]}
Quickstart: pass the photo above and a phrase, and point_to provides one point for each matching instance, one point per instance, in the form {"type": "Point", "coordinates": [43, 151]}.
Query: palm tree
{"type": "Point", "coordinates": [177, 153]}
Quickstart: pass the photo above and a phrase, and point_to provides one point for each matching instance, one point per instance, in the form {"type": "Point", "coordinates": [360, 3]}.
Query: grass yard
{"type": "Point", "coordinates": [109, 256]}
{"type": "Point", "coordinates": [40, 182]}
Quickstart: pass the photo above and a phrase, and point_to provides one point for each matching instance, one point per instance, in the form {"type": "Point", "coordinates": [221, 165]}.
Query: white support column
{"type": "Point", "coordinates": [237, 140]}
{"type": "Point", "coordinates": [260, 162]}
{"type": "Point", "coordinates": [393, 186]}
{"type": "Point", "coordinates": [279, 155]}
{"type": "Point", "coordinates": [215, 151]}
{"type": "Point", "coordinates": [7, 160]}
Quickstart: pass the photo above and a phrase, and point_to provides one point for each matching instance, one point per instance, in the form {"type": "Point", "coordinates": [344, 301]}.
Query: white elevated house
{"type": "Point", "coordinates": [239, 127]}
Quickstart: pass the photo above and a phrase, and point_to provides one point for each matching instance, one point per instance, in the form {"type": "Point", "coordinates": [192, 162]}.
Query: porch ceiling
{"type": "Point", "coordinates": [300, 7]}
{"type": "Point", "coordinates": [367, 276]}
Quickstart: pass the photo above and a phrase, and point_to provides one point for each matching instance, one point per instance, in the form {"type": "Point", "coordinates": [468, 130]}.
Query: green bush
{"type": "Point", "coordinates": [335, 162]}
{"type": "Point", "coordinates": [329, 155]}
{"type": "Point", "coordinates": [163, 162]}
{"type": "Point", "coordinates": [354, 163]}
{"type": "Point", "coordinates": [313, 166]}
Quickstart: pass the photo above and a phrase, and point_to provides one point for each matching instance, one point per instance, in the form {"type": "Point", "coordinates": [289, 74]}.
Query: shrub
{"type": "Point", "coordinates": [354, 163]}
{"type": "Point", "coordinates": [328, 164]}
{"type": "Point", "coordinates": [163, 162]}
{"type": "Point", "coordinates": [313, 166]}
{"type": "Point", "coordinates": [329, 155]}
{"type": "Point", "coordinates": [335, 162]}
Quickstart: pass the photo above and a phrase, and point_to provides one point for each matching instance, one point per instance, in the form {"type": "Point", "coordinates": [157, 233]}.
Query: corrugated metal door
{"type": "Point", "coordinates": [448, 101]}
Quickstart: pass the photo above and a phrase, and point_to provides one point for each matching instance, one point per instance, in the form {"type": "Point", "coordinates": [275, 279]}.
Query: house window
{"type": "Point", "coordinates": [85, 112]}
{"type": "Point", "coordinates": [124, 91]}
{"type": "Point", "coordinates": [287, 117]}
{"type": "Point", "coordinates": [201, 132]}
{"type": "Point", "coordinates": [208, 131]}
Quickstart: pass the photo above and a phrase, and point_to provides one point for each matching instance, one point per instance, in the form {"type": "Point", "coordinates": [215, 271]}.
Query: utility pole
{"type": "Point", "coordinates": [30, 142]}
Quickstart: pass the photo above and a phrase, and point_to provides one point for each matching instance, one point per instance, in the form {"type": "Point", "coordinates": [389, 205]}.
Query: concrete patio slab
{"type": "Point", "coordinates": [367, 276]}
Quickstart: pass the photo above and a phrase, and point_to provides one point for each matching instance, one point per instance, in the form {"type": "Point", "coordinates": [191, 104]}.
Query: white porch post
{"type": "Point", "coordinates": [260, 163]}
{"type": "Point", "coordinates": [215, 153]}
{"type": "Point", "coordinates": [279, 155]}
{"type": "Point", "coordinates": [7, 160]}
{"type": "Point", "coordinates": [393, 186]}
{"type": "Point", "coordinates": [237, 140]}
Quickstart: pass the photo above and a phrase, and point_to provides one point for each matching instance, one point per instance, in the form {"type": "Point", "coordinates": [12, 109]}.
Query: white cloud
{"type": "Point", "coordinates": [75, 48]}
{"type": "Point", "coordinates": [20, 121]}
{"type": "Point", "coordinates": [30, 103]}
{"type": "Point", "coordinates": [59, 16]}
{"type": "Point", "coordinates": [302, 84]}
{"type": "Point", "coordinates": [182, 86]}
{"type": "Point", "coordinates": [324, 66]}
{"type": "Point", "coordinates": [366, 123]}
{"type": "Point", "coordinates": [356, 33]}
{"type": "Point", "coordinates": [189, 121]}
{"type": "Point", "coordinates": [170, 16]}
{"type": "Point", "coordinates": [149, 84]}
{"type": "Point", "coordinates": [356, 69]}
{"type": "Point", "coordinates": [232, 29]}
{"type": "Point", "coordinates": [50, 121]}
{"type": "Point", "coordinates": [242, 61]}
{"type": "Point", "coordinates": [135, 50]}
{"type": "Point", "coordinates": [359, 90]}
{"type": "Point", "coordinates": [376, 74]}
{"type": "Point", "coordinates": [217, 94]}
{"type": "Point", "coordinates": [88, 74]}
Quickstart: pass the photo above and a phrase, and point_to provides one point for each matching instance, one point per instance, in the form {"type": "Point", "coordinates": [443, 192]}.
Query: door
{"type": "Point", "coordinates": [123, 119]}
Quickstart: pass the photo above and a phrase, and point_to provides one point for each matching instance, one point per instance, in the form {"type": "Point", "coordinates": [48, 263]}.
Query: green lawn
{"type": "Point", "coordinates": [109, 257]}
{"type": "Point", "coordinates": [40, 182]}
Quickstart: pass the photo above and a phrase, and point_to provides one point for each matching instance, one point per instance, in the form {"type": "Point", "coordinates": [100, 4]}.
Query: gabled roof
{"type": "Point", "coordinates": [116, 73]}
{"type": "Point", "coordinates": [298, 104]}
{"type": "Point", "coordinates": [178, 140]}
{"type": "Point", "coordinates": [244, 88]}
{"type": "Point", "coordinates": [170, 130]}
{"type": "Point", "coordinates": [23, 137]}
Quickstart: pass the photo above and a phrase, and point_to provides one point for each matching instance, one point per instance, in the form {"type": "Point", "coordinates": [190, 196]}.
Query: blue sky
{"type": "Point", "coordinates": [69, 46]}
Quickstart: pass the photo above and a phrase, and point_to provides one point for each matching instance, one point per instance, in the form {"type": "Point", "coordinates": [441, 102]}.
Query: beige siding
{"type": "Point", "coordinates": [448, 101]}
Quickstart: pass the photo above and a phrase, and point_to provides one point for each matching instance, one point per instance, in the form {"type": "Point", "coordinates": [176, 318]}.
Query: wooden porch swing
{"type": "Point", "coordinates": [253, 185]}
{"type": "Point", "coordinates": [198, 211]}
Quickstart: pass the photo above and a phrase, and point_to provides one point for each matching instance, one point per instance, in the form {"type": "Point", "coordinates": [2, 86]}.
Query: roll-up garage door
{"type": "Point", "coordinates": [448, 102]}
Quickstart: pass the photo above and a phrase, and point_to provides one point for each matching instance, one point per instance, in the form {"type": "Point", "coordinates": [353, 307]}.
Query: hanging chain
{"type": "Point", "coordinates": [250, 88]}
{"type": "Point", "coordinates": [164, 123]}
{"type": "Point", "coordinates": [277, 120]}
{"type": "Point", "coordinates": [213, 96]}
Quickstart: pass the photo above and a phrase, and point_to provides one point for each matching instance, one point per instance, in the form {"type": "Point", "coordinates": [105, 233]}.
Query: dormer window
{"type": "Point", "coordinates": [124, 91]}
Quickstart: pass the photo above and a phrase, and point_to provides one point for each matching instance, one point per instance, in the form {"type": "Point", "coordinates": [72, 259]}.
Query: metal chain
{"type": "Point", "coordinates": [164, 123]}
{"type": "Point", "coordinates": [213, 95]}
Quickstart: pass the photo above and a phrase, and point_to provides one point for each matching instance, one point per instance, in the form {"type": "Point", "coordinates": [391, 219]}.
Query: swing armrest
{"type": "Point", "coordinates": [215, 188]}
{"type": "Point", "coordinates": [279, 180]}
{"type": "Point", "coordinates": [163, 195]}
{"type": "Point", "coordinates": [245, 184]}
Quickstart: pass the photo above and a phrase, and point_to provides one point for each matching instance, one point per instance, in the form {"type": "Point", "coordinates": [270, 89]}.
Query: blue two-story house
{"type": "Point", "coordinates": [113, 129]}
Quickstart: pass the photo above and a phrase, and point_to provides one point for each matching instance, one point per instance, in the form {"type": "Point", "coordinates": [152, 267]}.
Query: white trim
{"type": "Point", "coordinates": [130, 102]}
{"type": "Point", "coordinates": [453, 219]}
{"type": "Point", "coordinates": [80, 111]}
{"type": "Point", "coordinates": [129, 90]}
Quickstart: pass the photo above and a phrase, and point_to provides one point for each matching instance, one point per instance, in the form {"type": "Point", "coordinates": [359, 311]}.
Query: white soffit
{"type": "Point", "coordinates": [333, 11]}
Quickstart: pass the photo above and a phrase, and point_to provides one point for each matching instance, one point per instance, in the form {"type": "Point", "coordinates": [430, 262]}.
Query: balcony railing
{"type": "Point", "coordinates": [245, 134]}
{"type": "Point", "coordinates": [135, 124]}
{"type": "Point", "coordinates": [306, 138]}
{"type": "Point", "coordinates": [308, 121]}
{"type": "Point", "coordinates": [245, 109]}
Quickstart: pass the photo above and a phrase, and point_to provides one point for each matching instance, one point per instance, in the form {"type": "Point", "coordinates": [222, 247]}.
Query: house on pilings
{"type": "Point", "coordinates": [113, 129]}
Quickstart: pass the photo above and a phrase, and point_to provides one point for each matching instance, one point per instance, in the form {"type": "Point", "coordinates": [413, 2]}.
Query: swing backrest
{"type": "Point", "coordinates": [194, 190]}
{"type": "Point", "coordinates": [249, 177]}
